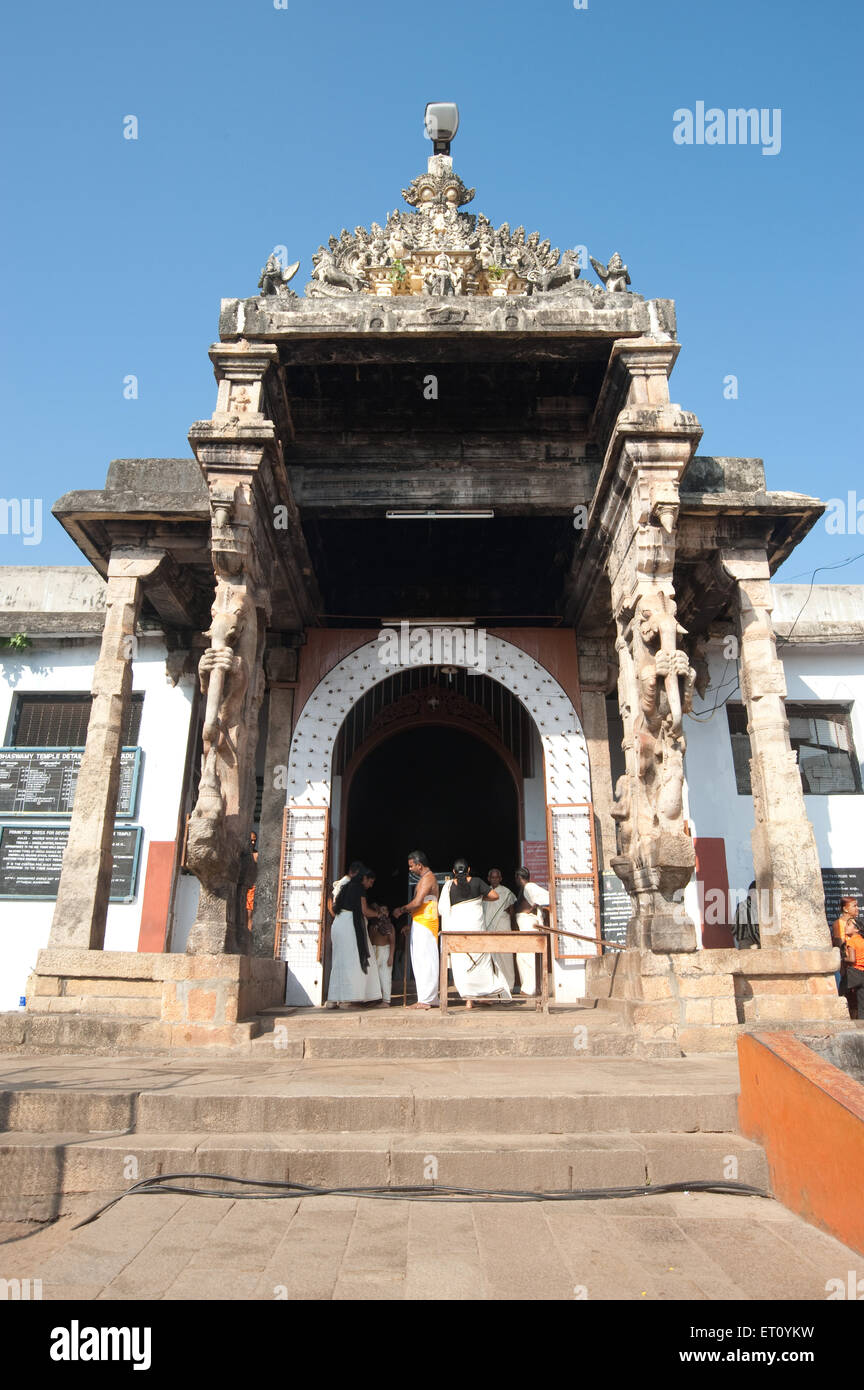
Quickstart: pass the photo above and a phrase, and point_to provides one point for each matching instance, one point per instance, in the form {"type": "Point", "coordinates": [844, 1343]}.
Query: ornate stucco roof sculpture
{"type": "Point", "coordinates": [436, 249]}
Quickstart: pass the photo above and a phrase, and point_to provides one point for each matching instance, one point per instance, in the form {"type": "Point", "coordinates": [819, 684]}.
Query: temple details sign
{"type": "Point", "coordinates": [616, 908]}
{"type": "Point", "coordinates": [42, 781]}
{"type": "Point", "coordinates": [31, 857]}
{"type": "Point", "coordinates": [841, 883]}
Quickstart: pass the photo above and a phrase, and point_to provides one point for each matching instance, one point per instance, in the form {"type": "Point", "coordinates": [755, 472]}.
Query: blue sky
{"type": "Point", "coordinates": [261, 126]}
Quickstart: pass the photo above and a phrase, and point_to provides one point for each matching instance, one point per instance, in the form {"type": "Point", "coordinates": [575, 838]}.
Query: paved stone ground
{"type": "Point", "coordinates": [285, 1075]}
{"type": "Point", "coordinates": [678, 1247]}
{"type": "Point", "coordinates": [673, 1247]}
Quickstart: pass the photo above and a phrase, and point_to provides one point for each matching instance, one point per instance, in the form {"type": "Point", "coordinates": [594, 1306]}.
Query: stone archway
{"type": "Point", "coordinates": [303, 884]}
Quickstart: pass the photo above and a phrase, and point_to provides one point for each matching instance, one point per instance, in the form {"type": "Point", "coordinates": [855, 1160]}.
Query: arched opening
{"type": "Point", "coordinates": [439, 789]}
{"type": "Point", "coordinates": [530, 722]}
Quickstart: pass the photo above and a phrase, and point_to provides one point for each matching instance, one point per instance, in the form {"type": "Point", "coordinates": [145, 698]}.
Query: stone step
{"type": "Point", "coordinates": [109, 1034]}
{"type": "Point", "coordinates": [401, 1034]}
{"type": "Point", "coordinates": [499, 1030]}
{"type": "Point", "coordinates": [38, 1169]}
{"type": "Point", "coordinates": [523, 1095]}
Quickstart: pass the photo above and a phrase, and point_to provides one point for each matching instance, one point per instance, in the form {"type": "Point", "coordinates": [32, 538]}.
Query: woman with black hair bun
{"type": "Point", "coordinates": [353, 974]}
{"type": "Point", "coordinates": [478, 975]}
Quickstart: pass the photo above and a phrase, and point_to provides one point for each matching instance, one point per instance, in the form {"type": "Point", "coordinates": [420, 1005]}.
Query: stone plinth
{"type": "Point", "coordinates": [202, 998]}
{"type": "Point", "coordinates": [703, 999]}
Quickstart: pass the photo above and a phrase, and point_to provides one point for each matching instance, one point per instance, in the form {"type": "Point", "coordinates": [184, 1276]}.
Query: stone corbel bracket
{"type": "Point", "coordinates": [240, 369]}
{"type": "Point", "coordinates": [229, 527]}
{"type": "Point", "coordinates": [634, 505]}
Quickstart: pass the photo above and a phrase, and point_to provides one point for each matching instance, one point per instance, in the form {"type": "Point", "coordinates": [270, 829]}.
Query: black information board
{"type": "Point", "coordinates": [31, 857]}
{"type": "Point", "coordinates": [841, 883]}
{"type": "Point", "coordinates": [615, 908]}
{"type": "Point", "coordinates": [42, 781]}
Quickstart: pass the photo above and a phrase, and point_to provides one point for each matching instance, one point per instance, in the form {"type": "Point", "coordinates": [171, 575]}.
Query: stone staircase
{"type": "Point", "coordinates": [374, 1100]}
{"type": "Point", "coordinates": [498, 1030]}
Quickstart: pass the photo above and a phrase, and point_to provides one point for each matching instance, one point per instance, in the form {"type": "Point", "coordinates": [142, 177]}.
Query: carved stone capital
{"type": "Point", "coordinates": [135, 562]}
{"type": "Point", "coordinates": [240, 370]}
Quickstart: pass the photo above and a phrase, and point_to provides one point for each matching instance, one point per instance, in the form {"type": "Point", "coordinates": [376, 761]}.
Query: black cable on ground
{"type": "Point", "coordinates": [165, 1183]}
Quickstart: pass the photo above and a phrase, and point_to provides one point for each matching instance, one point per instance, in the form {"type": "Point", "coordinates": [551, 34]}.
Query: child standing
{"type": "Point", "coordinates": [382, 937]}
{"type": "Point", "coordinates": [854, 969]}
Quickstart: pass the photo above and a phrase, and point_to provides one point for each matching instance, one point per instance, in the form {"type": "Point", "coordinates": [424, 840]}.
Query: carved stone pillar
{"type": "Point", "coordinates": [85, 879]}
{"type": "Point", "coordinates": [596, 661]}
{"type": "Point", "coordinates": [650, 445]}
{"type": "Point", "coordinates": [232, 449]}
{"type": "Point", "coordinates": [281, 668]}
{"type": "Point", "coordinates": [786, 860]}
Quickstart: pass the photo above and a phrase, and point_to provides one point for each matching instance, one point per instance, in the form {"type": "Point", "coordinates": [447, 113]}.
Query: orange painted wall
{"type": "Point", "coordinates": [809, 1118]}
{"type": "Point", "coordinates": [156, 902]}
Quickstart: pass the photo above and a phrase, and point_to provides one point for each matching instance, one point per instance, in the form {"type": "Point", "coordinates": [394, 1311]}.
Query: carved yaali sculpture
{"type": "Point", "coordinates": [615, 276]}
{"type": "Point", "coordinates": [274, 280]}
{"type": "Point", "coordinates": [655, 856]}
{"type": "Point", "coordinates": [329, 278]}
{"type": "Point", "coordinates": [217, 848]}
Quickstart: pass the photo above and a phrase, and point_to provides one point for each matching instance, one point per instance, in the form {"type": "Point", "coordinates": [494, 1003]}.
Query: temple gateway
{"type": "Point", "coordinates": [446, 571]}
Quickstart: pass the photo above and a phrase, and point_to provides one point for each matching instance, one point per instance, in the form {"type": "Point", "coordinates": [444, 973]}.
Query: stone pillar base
{"type": "Point", "coordinates": [703, 1000]}
{"type": "Point", "coordinates": [198, 1000]}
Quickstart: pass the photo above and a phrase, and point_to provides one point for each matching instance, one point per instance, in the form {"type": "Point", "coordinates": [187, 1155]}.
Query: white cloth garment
{"type": "Point", "coordinates": [497, 918]}
{"type": "Point", "coordinates": [425, 962]}
{"type": "Point", "coordinates": [340, 883]}
{"type": "Point", "coordinates": [476, 976]}
{"type": "Point", "coordinates": [348, 983]}
{"type": "Point", "coordinates": [381, 955]}
{"type": "Point", "coordinates": [530, 921]}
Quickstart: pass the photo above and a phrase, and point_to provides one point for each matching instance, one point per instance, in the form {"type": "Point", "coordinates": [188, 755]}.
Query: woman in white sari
{"type": "Point", "coordinates": [353, 972]}
{"type": "Point", "coordinates": [476, 976]}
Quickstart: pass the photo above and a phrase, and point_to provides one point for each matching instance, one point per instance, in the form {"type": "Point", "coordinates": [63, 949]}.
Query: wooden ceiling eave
{"type": "Point", "coordinates": [182, 600]}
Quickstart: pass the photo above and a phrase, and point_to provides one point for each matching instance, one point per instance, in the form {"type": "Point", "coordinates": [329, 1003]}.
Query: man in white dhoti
{"type": "Point", "coordinates": [463, 899]}
{"type": "Point", "coordinates": [496, 917]}
{"type": "Point", "coordinates": [423, 908]}
{"type": "Point", "coordinates": [528, 909]}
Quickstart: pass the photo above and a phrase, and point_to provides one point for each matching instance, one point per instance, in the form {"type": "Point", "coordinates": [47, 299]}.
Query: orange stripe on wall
{"type": "Point", "coordinates": [809, 1117]}
{"type": "Point", "coordinates": [156, 903]}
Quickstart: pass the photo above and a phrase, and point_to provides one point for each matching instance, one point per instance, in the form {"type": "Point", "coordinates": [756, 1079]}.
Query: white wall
{"type": "Point", "coordinates": [834, 674]}
{"type": "Point", "coordinates": [68, 666]}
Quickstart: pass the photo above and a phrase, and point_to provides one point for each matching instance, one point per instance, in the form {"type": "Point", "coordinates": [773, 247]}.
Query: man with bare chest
{"type": "Point", "coordinates": [423, 910]}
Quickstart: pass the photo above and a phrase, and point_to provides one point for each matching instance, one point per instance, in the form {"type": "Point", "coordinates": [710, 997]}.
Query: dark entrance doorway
{"type": "Point", "coordinates": [437, 789]}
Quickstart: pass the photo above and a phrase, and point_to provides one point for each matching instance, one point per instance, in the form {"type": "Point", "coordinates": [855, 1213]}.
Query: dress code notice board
{"type": "Point", "coordinates": [31, 857]}
{"type": "Point", "coordinates": [616, 908]}
{"type": "Point", "coordinates": [42, 781]}
{"type": "Point", "coordinates": [842, 883]}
